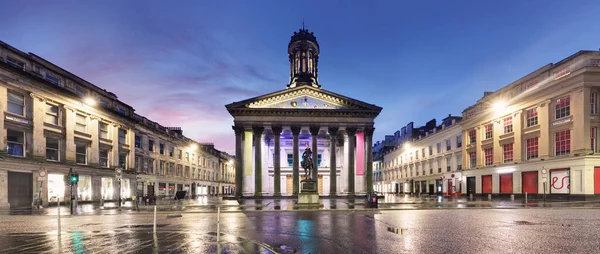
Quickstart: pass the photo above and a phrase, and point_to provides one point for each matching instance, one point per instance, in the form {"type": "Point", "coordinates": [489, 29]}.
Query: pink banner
{"type": "Point", "coordinates": [360, 153]}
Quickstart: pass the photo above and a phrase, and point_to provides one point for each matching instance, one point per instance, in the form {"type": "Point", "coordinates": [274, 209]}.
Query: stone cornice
{"type": "Point", "coordinates": [302, 112]}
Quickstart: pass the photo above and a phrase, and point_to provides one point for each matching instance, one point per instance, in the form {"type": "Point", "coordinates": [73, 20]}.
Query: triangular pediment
{"type": "Point", "coordinates": [305, 97]}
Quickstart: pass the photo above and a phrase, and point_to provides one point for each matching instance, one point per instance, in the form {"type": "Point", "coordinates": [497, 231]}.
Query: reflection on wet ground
{"type": "Point", "coordinates": [129, 241]}
{"type": "Point", "coordinates": [210, 204]}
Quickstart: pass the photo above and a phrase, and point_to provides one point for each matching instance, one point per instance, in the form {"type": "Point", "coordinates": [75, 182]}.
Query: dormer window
{"type": "Point", "coordinates": [52, 78]}
{"type": "Point", "coordinates": [15, 62]}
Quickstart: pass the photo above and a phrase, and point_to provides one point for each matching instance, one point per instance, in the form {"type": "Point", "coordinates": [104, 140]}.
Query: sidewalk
{"type": "Point", "coordinates": [388, 202]}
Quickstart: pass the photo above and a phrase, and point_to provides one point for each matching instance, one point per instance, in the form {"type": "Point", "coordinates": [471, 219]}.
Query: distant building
{"type": "Point", "coordinates": [54, 121]}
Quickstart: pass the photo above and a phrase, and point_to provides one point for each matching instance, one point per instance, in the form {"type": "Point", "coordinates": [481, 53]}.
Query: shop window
{"type": "Point", "coordinates": [15, 143]}
{"type": "Point", "coordinates": [51, 114]}
{"type": "Point", "coordinates": [563, 107]}
{"type": "Point", "coordinates": [56, 188]}
{"type": "Point", "coordinates": [16, 103]}
{"type": "Point", "coordinates": [81, 153]}
{"type": "Point", "coordinates": [532, 117]}
{"type": "Point", "coordinates": [52, 147]}
{"type": "Point", "coordinates": [532, 148]}
{"type": "Point", "coordinates": [489, 156]}
{"type": "Point", "coordinates": [563, 142]}
{"type": "Point", "coordinates": [80, 123]}
{"type": "Point", "coordinates": [103, 154]}
{"type": "Point", "coordinates": [508, 126]}
{"type": "Point", "coordinates": [507, 152]}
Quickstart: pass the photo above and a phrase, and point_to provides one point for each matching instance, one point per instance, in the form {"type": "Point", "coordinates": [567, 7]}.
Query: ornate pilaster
{"type": "Point", "coordinates": [257, 133]}
{"type": "Point", "coordinates": [276, 160]}
{"type": "Point", "coordinates": [332, 161]}
{"type": "Point", "coordinates": [239, 159]}
{"type": "Point", "coordinates": [351, 132]}
{"type": "Point", "coordinates": [369, 158]}
{"type": "Point", "coordinates": [295, 165]}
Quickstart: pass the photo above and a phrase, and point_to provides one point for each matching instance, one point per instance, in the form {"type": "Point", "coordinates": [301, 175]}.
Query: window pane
{"type": "Point", "coordinates": [52, 149]}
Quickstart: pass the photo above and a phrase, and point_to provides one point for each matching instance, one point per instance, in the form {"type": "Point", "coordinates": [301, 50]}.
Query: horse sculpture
{"type": "Point", "coordinates": [307, 162]}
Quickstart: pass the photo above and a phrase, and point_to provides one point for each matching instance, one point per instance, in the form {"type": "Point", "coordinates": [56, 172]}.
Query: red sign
{"type": "Point", "coordinates": [452, 175]}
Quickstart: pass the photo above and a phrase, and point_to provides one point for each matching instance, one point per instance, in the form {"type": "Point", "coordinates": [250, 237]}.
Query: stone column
{"type": "Point", "coordinates": [276, 160]}
{"type": "Point", "coordinates": [351, 132]}
{"type": "Point", "coordinates": [295, 165]}
{"type": "Point", "coordinates": [256, 134]}
{"type": "Point", "coordinates": [39, 141]}
{"type": "Point", "coordinates": [314, 132]}
{"type": "Point", "coordinates": [369, 158]}
{"type": "Point", "coordinates": [332, 161]}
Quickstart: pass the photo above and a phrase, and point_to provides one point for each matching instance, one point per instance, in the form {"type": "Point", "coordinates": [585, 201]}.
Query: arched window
{"type": "Point", "coordinates": [303, 61]}
{"type": "Point", "coordinates": [310, 62]}
{"type": "Point", "coordinates": [297, 63]}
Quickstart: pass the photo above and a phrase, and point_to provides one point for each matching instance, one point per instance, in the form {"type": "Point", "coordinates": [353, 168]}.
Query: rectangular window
{"type": "Point", "coordinates": [430, 150]}
{"type": "Point", "coordinates": [138, 141]}
{"type": "Point", "coordinates": [161, 148]}
{"type": "Point", "coordinates": [448, 164]}
{"type": "Point", "coordinates": [187, 156]}
{"type": "Point", "coordinates": [81, 153]}
{"type": "Point", "coordinates": [122, 136]}
{"type": "Point", "coordinates": [103, 130]}
{"type": "Point", "coordinates": [532, 117]}
{"type": "Point", "coordinates": [52, 78]}
{"type": "Point", "coordinates": [489, 156]}
{"type": "Point", "coordinates": [563, 142]}
{"type": "Point", "coordinates": [15, 143]}
{"type": "Point", "coordinates": [171, 151]}
{"type": "Point", "coordinates": [448, 145]}
{"type": "Point", "coordinates": [439, 165]}
{"type": "Point", "coordinates": [508, 126]}
{"type": "Point", "coordinates": [162, 168]}
{"type": "Point", "coordinates": [459, 141]}
{"type": "Point", "coordinates": [179, 154]}
{"type": "Point", "coordinates": [171, 169]}
{"type": "Point", "coordinates": [290, 159]}
{"type": "Point", "coordinates": [472, 136]}
{"type": "Point", "coordinates": [179, 170]}
{"type": "Point", "coordinates": [532, 148]}
{"type": "Point", "coordinates": [472, 159]}
{"type": "Point", "coordinates": [423, 152]}
{"type": "Point", "coordinates": [104, 158]}
{"type": "Point", "coordinates": [488, 131]}
{"type": "Point", "coordinates": [51, 114]}
{"type": "Point", "coordinates": [138, 164]}
{"type": "Point", "coordinates": [80, 123]}
{"type": "Point", "coordinates": [593, 140]}
{"type": "Point", "coordinates": [417, 154]}
{"type": "Point", "coordinates": [16, 103]}
{"type": "Point", "coordinates": [594, 103]}
{"type": "Point", "coordinates": [150, 166]}
{"type": "Point", "coordinates": [439, 147]}
{"type": "Point", "coordinates": [15, 62]}
{"type": "Point", "coordinates": [507, 152]}
{"type": "Point", "coordinates": [459, 162]}
{"type": "Point", "coordinates": [52, 149]}
{"type": "Point", "coordinates": [563, 107]}
{"type": "Point", "coordinates": [123, 159]}
{"type": "Point", "coordinates": [151, 145]}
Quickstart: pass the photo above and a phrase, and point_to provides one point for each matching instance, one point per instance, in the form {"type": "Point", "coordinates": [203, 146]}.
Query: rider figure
{"type": "Point", "coordinates": [307, 161]}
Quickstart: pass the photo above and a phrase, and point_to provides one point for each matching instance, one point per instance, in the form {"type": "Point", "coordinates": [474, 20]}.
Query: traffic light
{"type": "Point", "coordinates": [74, 178]}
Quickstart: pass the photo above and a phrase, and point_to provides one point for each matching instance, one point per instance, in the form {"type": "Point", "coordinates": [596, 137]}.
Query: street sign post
{"type": "Point", "coordinates": [544, 180]}
{"type": "Point", "coordinates": [118, 176]}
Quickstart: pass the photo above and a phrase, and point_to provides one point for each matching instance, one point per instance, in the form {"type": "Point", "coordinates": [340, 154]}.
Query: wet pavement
{"type": "Point", "coordinates": [401, 231]}
{"type": "Point", "coordinates": [388, 202]}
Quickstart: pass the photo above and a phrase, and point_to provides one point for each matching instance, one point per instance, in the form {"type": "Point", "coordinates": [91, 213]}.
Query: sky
{"type": "Point", "coordinates": [179, 62]}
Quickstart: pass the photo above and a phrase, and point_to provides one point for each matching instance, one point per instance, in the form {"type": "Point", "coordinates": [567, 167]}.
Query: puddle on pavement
{"type": "Point", "coordinates": [523, 222]}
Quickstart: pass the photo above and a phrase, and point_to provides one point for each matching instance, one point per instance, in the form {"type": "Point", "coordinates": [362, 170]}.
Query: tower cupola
{"type": "Point", "coordinates": [303, 51]}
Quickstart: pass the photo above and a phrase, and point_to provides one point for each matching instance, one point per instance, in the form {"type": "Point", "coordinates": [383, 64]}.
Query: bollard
{"type": "Point", "coordinates": [218, 223]}
{"type": "Point", "coordinates": [512, 197]}
{"type": "Point", "coordinates": [59, 217]}
{"type": "Point", "coordinates": [489, 196]}
{"type": "Point", "coordinates": [154, 228]}
{"type": "Point", "coordinates": [525, 197]}
{"type": "Point", "coordinates": [471, 196]}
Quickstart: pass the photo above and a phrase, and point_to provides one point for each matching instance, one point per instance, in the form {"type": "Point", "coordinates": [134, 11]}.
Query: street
{"type": "Point", "coordinates": [533, 230]}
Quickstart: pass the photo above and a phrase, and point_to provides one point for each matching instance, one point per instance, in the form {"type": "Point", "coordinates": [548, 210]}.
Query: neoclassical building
{"type": "Point", "coordinates": [273, 130]}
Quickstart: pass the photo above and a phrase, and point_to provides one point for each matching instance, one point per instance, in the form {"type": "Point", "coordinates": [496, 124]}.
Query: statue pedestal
{"type": "Point", "coordinates": [309, 195]}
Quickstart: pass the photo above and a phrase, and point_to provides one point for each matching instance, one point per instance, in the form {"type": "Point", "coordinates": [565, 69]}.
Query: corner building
{"type": "Point", "coordinates": [52, 121]}
{"type": "Point", "coordinates": [273, 130]}
{"type": "Point", "coordinates": [546, 122]}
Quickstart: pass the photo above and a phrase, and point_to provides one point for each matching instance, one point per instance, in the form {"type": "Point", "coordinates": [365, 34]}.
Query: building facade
{"type": "Point", "coordinates": [53, 121]}
{"type": "Point", "coordinates": [272, 131]}
{"type": "Point", "coordinates": [428, 162]}
{"type": "Point", "coordinates": [537, 135]}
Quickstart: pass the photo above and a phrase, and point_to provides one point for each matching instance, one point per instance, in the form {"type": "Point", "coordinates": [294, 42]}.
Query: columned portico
{"type": "Point", "coordinates": [303, 113]}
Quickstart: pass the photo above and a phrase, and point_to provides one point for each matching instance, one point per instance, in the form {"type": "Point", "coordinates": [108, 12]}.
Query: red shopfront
{"type": "Point", "coordinates": [530, 182]}
{"type": "Point", "coordinates": [506, 183]}
{"type": "Point", "coordinates": [486, 184]}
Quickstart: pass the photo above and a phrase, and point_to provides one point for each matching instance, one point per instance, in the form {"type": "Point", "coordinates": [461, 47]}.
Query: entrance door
{"type": "Point", "coordinates": [471, 185]}
{"type": "Point", "coordinates": [289, 184]}
{"type": "Point", "coordinates": [431, 188]}
{"type": "Point", "coordinates": [450, 187]}
{"type": "Point", "coordinates": [20, 189]}
{"type": "Point", "coordinates": [423, 187]}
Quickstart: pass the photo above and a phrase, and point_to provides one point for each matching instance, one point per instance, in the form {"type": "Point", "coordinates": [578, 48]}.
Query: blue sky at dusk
{"type": "Point", "coordinates": [180, 62]}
